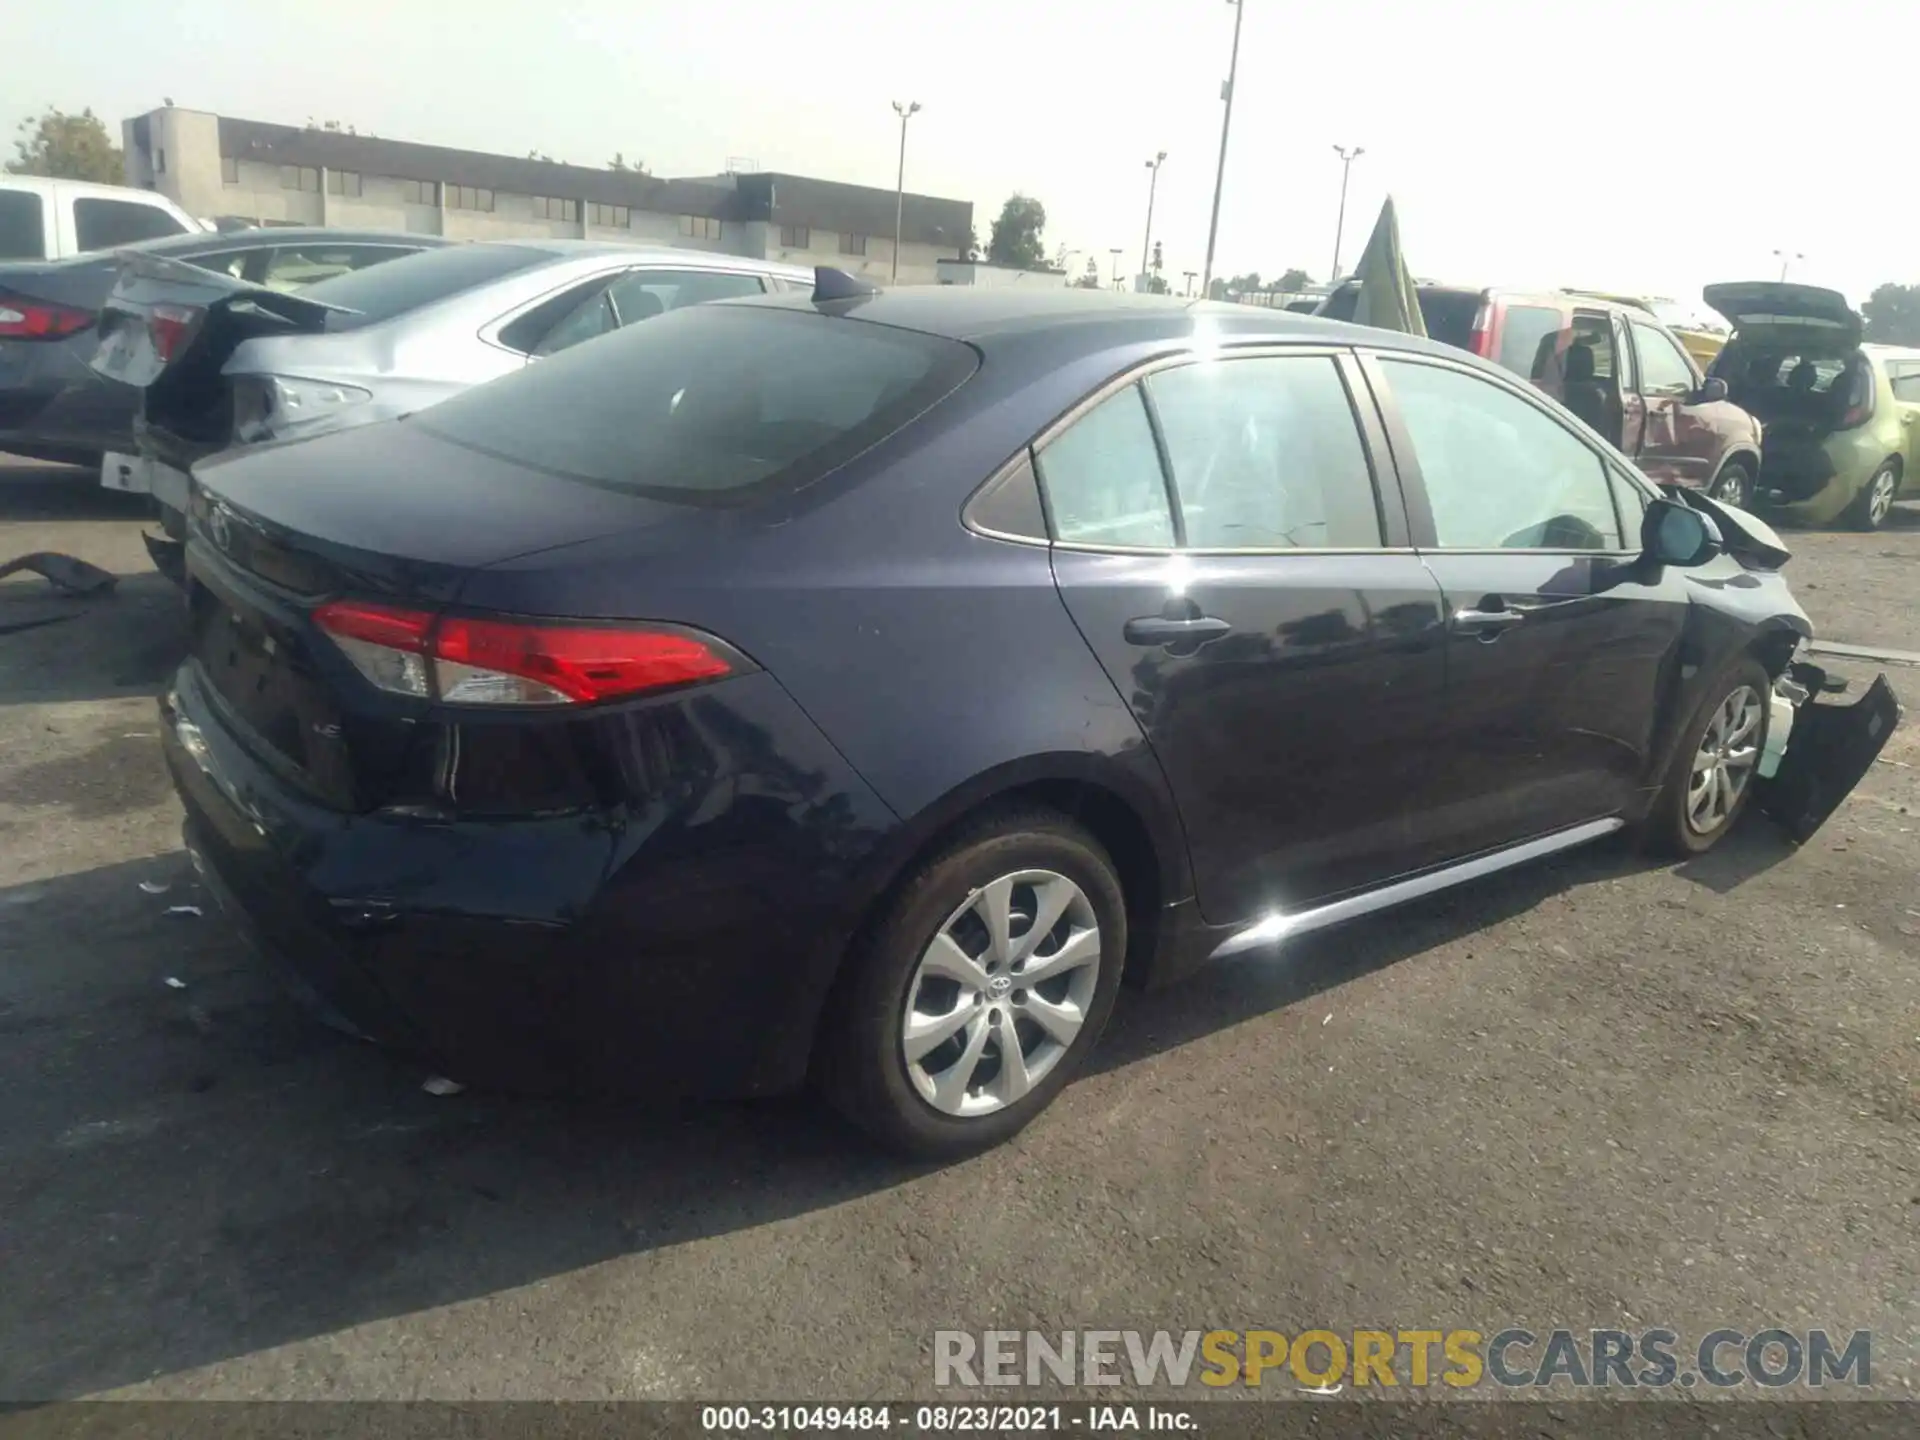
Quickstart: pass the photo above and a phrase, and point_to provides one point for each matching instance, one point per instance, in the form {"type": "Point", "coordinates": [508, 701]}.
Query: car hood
{"type": "Point", "coordinates": [1770, 313]}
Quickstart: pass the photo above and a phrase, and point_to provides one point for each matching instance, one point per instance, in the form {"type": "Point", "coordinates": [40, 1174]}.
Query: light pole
{"type": "Point", "coordinates": [1226, 124]}
{"type": "Point", "coordinates": [905, 112]}
{"type": "Point", "coordinates": [1189, 274]}
{"type": "Point", "coordinates": [1153, 183]}
{"type": "Point", "coordinates": [1347, 157]}
{"type": "Point", "coordinates": [1786, 258]}
{"type": "Point", "coordinates": [1115, 252]}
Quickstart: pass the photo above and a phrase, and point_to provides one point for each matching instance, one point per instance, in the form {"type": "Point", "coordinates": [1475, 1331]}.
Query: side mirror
{"type": "Point", "coordinates": [1711, 389]}
{"type": "Point", "coordinates": [1673, 534]}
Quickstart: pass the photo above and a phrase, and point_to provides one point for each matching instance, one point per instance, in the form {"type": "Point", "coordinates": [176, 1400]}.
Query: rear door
{"type": "Point", "coordinates": [1555, 650]}
{"type": "Point", "coordinates": [1222, 544]}
{"type": "Point", "coordinates": [1903, 376]}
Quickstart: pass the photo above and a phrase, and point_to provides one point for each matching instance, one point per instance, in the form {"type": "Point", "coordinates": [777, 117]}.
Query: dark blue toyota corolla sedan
{"type": "Point", "coordinates": [858, 687]}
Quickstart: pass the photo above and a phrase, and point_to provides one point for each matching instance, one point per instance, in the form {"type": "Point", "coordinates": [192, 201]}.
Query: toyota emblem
{"type": "Point", "coordinates": [221, 527]}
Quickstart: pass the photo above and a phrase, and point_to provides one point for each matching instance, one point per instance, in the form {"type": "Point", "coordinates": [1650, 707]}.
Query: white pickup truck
{"type": "Point", "coordinates": [42, 219]}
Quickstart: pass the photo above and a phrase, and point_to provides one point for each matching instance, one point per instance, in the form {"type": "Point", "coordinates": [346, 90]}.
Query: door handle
{"type": "Point", "coordinates": [1486, 624]}
{"type": "Point", "coordinates": [1161, 630]}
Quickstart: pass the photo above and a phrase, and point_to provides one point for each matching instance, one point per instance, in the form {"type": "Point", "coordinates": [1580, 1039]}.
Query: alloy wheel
{"type": "Point", "coordinates": [1732, 487]}
{"type": "Point", "coordinates": [1724, 763]}
{"type": "Point", "coordinates": [1880, 497]}
{"type": "Point", "coordinates": [1001, 992]}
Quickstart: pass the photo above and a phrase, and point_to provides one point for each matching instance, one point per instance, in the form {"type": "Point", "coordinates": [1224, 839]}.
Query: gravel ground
{"type": "Point", "coordinates": [1590, 1093]}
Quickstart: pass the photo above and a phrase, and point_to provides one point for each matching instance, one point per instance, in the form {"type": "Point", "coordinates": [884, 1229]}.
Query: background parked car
{"type": "Point", "coordinates": [55, 406]}
{"type": "Point", "coordinates": [226, 362]}
{"type": "Point", "coordinates": [774, 811]}
{"type": "Point", "coordinates": [43, 219]}
{"type": "Point", "coordinates": [1842, 418]}
{"type": "Point", "coordinates": [1615, 366]}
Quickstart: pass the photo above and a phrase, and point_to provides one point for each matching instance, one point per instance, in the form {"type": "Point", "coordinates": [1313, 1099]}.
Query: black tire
{"type": "Point", "coordinates": [1733, 485]}
{"type": "Point", "coordinates": [863, 1069]}
{"type": "Point", "coordinates": [1860, 514]}
{"type": "Point", "coordinates": [1668, 830]}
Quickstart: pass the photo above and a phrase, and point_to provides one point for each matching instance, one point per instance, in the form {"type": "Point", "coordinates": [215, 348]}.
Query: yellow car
{"type": "Point", "coordinates": [1699, 337]}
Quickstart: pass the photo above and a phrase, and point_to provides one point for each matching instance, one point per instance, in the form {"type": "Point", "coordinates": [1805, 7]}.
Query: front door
{"type": "Point", "coordinates": [1557, 642]}
{"type": "Point", "coordinates": [1224, 549]}
{"type": "Point", "coordinates": [1672, 449]}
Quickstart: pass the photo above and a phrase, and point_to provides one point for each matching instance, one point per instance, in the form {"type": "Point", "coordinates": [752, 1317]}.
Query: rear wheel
{"type": "Point", "coordinates": [1714, 769]}
{"type": "Point", "coordinates": [981, 990]}
{"type": "Point", "coordinates": [1875, 501]}
{"type": "Point", "coordinates": [1733, 485]}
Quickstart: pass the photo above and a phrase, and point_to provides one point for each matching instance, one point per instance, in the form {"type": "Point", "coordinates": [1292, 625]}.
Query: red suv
{"type": "Point", "coordinates": [1616, 367]}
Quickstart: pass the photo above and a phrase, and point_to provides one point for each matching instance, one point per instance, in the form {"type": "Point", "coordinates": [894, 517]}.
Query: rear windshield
{"type": "Point", "coordinates": [383, 291]}
{"type": "Point", "coordinates": [710, 404]}
{"type": "Point", "coordinates": [1448, 314]}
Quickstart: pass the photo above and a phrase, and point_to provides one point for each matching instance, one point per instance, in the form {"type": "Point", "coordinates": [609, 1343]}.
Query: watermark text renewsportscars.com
{"type": "Point", "coordinates": [1323, 1359]}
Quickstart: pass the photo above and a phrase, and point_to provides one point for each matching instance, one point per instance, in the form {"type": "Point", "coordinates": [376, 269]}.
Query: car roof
{"type": "Point", "coordinates": [288, 235]}
{"type": "Point", "coordinates": [45, 183]}
{"type": "Point", "coordinates": [991, 317]}
{"type": "Point", "coordinates": [666, 254]}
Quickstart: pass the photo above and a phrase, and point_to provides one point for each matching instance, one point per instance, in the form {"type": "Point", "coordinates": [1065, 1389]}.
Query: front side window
{"type": "Point", "coordinates": [1102, 480]}
{"type": "Point", "coordinates": [1905, 381]}
{"type": "Point", "coordinates": [1500, 474]}
{"type": "Point", "coordinates": [103, 224]}
{"type": "Point", "coordinates": [1663, 366]}
{"type": "Point", "coordinates": [1266, 454]}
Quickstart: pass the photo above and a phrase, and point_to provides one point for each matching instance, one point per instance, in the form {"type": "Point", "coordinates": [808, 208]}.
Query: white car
{"type": "Point", "coordinates": [42, 219]}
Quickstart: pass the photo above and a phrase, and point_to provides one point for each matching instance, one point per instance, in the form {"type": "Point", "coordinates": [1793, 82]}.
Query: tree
{"type": "Point", "coordinates": [1156, 282]}
{"type": "Point", "coordinates": [67, 147]}
{"type": "Point", "coordinates": [1015, 240]}
{"type": "Point", "coordinates": [1293, 282]}
{"type": "Point", "coordinates": [1216, 289]}
{"type": "Point", "coordinates": [1244, 284]}
{"type": "Point", "coordinates": [541, 156]}
{"type": "Point", "coordinates": [972, 248]}
{"type": "Point", "coordinates": [1091, 279]}
{"type": "Point", "coordinates": [619, 162]}
{"type": "Point", "coordinates": [1893, 315]}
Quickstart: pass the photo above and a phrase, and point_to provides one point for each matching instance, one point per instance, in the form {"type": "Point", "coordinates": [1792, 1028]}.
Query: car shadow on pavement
{"type": "Point", "coordinates": [57, 648]}
{"type": "Point", "coordinates": [30, 490]}
{"type": "Point", "coordinates": [191, 1169]}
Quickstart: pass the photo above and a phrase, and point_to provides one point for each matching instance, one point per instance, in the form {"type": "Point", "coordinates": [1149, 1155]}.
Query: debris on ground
{"type": "Point", "coordinates": [155, 887]}
{"type": "Point", "coordinates": [175, 983]}
{"type": "Point", "coordinates": [184, 910]}
{"type": "Point", "coordinates": [441, 1085]}
{"type": "Point", "coordinates": [66, 573]}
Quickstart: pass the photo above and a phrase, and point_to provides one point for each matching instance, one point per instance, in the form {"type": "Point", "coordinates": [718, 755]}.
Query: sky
{"type": "Point", "coordinates": [1641, 145]}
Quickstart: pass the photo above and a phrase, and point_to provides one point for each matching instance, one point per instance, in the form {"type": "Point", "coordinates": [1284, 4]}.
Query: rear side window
{"type": "Point", "coordinates": [102, 224]}
{"type": "Point", "coordinates": [1102, 480]}
{"type": "Point", "coordinates": [380, 292]}
{"type": "Point", "coordinates": [647, 293]}
{"type": "Point", "coordinates": [23, 232]}
{"type": "Point", "coordinates": [708, 404]}
{"type": "Point", "coordinates": [1529, 340]}
{"type": "Point", "coordinates": [1266, 454]}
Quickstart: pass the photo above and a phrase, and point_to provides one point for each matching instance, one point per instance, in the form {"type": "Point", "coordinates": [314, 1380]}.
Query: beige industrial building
{"type": "Point", "coordinates": [220, 168]}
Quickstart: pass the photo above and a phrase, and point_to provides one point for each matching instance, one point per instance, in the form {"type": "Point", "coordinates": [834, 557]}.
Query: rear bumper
{"type": "Point", "coordinates": [52, 404]}
{"type": "Point", "coordinates": [681, 948]}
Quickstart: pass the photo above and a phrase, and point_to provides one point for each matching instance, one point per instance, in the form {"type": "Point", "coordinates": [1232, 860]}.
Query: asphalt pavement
{"type": "Point", "coordinates": [1596, 1092]}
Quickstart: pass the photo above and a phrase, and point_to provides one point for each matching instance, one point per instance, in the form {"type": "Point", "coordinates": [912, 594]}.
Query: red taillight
{"type": "Point", "coordinates": [513, 662]}
{"type": "Point", "coordinates": [23, 319]}
{"type": "Point", "coordinates": [1480, 342]}
{"type": "Point", "coordinates": [167, 327]}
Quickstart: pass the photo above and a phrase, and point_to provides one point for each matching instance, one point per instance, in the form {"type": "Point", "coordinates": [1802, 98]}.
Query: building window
{"type": "Point", "coordinates": [853, 244]}
{"type": "Point", "coordinates": [468, 197]}
{"type": "Point", "coordinates": [618, 216]}
{"type": "Point", "coordinates": [418, 192]}
{"type": "Point", "coordinates": [344, 182]}
{"type": "Point", "coordinates": [545, 207]}
{"type": "Point", "coordinates": [700, 227]}
{"type": "Point", "coordinates": [300, 177]}
{"type": "Point", "coordinates": [229, 169]}
{"type": "Point", "coordinates": [795, 237]}
{"type": "Point", "coordinates": [159, 162]}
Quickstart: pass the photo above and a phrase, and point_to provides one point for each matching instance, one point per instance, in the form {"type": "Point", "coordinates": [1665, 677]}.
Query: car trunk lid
{"type": "Point", "coordinates": [1805, 318]}
{"type": "Point", "coordinates": [387, 514]}
{"type": "Point", "coordinates": [168, 328]}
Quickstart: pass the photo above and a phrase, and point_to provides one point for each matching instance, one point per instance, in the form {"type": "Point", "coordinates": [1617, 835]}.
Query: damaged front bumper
{"type": "Point", "coordinates": [1827, 748]}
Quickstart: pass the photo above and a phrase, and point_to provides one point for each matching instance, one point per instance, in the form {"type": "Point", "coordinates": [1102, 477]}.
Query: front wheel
{"type": "Point", "coordinates": [1733, 485]}
{"type": "Point", "coordinates": [1875, 501]}
{"type": "Point", "coordinates": [1713, 771]}
{"type": "Point", "coordinates": [980, 990]}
